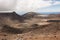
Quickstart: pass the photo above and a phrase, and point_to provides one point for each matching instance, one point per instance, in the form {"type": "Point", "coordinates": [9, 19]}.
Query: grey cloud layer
{"type": "Point", "coordinates": [7, 5]}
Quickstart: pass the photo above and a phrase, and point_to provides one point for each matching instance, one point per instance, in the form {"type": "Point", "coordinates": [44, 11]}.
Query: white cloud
{"type": "Point", "coordinates": [57, 2]}
{"type": "Point", "coordinates": [31, 5]}
{"type": "Point", "coordinates": [24, 5]}
{"type": "Point", "coordinates": [49, 10]}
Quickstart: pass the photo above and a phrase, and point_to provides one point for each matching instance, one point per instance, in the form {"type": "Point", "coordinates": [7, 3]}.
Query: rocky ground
{"type": "Point", "coordinates": [32, 28]}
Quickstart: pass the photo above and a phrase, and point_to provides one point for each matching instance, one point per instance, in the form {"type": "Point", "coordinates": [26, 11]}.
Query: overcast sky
{"type": "Point", "coordinates": [33, 5]}
{"type": "Point", "coordinates": [26, 5]}
{"type": "Point", "coordinates": [6, 5]}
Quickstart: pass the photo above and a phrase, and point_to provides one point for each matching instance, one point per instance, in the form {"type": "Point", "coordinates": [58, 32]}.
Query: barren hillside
{"type": "Point", "coordinates": [16, 27]}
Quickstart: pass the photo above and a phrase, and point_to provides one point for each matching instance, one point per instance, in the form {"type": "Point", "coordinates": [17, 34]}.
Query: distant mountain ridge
{"type": "Point", "coordinates": [30, 15]}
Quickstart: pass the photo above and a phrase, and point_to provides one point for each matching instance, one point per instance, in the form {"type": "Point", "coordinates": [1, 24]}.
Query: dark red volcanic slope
{"type": "Point", "coordinates": [12, 15]}
{"type": "Point", "coordinates": [8, 19]}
